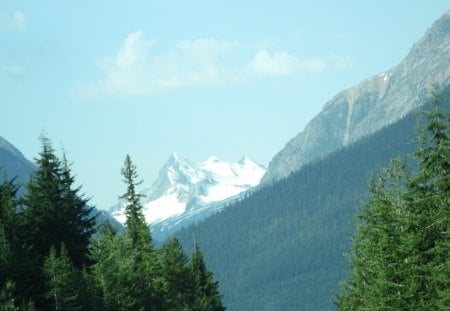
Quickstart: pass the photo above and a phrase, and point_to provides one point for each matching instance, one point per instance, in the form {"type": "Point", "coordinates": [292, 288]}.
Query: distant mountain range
{"type": "Point", "coordinates": [283, 247]}
{"type": "Point", "coordinates": [372, 104]}
{"type": "Point", "coordinates": [187, 192]}
{"type": "Point", "coordinates": [14, 164]}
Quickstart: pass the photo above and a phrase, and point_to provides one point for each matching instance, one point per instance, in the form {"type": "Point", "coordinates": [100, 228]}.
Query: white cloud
{"type": "Point", "coordinates": [134, 51]}
{"type": "Point", "coordinates": [18, 21]}
{"type": "Point", "coordinates": [274, 64]}
{"type": "Point", "coordinates": [284, 64]}
{"type": "Point", "coordinates": [136, 70]}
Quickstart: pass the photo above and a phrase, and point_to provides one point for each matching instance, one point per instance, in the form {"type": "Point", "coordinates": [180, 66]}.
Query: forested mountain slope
{"type": "Point", "coordinates": [370, 105]}
{"type": "Point", "coordinates": [13, 163]}
{"type": "Point", "coordinates": [282, 247]}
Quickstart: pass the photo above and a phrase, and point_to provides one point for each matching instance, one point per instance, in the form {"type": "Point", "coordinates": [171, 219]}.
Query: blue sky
{"type": "Point", "coordinates": [200, 78]}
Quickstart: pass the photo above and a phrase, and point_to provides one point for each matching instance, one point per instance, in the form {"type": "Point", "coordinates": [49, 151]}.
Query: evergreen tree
{"type": "Point", "coordinates": [379, 258]}
{"type": "Point", "coordinates": [401, 249]}
{"type": "Point", "coordinates": [113, 272]}
{"type": "Point", "coordinates": [7, 300]}
{"type": "Point", "coordinates": [101, 273]}
{"type": "Point", "coordinates": [42, 203]}
{"type": "Point", "coordinates": [429, 202]}
{"type": "Point", "coordinates": [77, 214]}
{"type": "Point", "coordinates": [63, 281]}
{"type": "Point", "coordinates": [137, 228]}
{"type": "Point", "coordinates": [206, 290]}
{"type": "Point", "coordinates": [54, 212]}
{"type": "Point", "coordinates": [144, 260]}
{"type": "Point", "coordinates": [8, 224]}
{"type": "Point", "coordinates": [177, 277]}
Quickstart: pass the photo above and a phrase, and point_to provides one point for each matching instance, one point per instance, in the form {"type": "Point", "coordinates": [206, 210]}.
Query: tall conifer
{"type": "Point", "coordinates": [178, 280]}
{"type": "Point", "coordinates": [401, 249]}
{"type": "Point", "coordinates": [137, 228]}
{"type": "Point", "coordinates": [206, 290]}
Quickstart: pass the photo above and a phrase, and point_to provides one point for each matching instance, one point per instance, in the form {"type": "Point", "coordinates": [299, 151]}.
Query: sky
{"type": "Point", "coordinates": [152, 77]}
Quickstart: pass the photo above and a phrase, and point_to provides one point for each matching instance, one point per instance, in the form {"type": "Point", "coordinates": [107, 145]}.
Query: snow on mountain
{"type": "Point", "coordinates": [186, 192]}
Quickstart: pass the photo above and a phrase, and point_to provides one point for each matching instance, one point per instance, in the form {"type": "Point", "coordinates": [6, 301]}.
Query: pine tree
{"type": "Point", "coordinates": [401, 249]}
{"type": "Point", "coordinates": [379, 258]}
{"type": "Point", "coordinates": [206, 290]}
{"type": "Point", "coordinates": [144, 261]}
{"type": "Point", "coordinates": [7, 299]}
{"type": "Point", "coordinates": [114, 276]}
{"type": "Point", "coordinates": [101, 273]}
{"type": "Point", "coordinates": [63, 281]}
{"type": "Point", "coordinates": [42, 203]}
{"type": "Point", "coordinates": [52, 213]}
{"type": "Point", "coordinates": [78, 215]}
{"type": "Point", "coordinates": [429, 201]}
{"type": "Point", "coordinates": [55, 212]}
{"type": "Point", "coordinates": [8, 224]}
{"type": "Point", "coordinates": [137, 228]}
{"type": "Point", "coordinates": [177, 277]}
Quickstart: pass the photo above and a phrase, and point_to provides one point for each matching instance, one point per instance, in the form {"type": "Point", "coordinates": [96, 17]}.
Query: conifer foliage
{"type": "Point", "coordinates": [55, 211]}
{"type": "Point", "coordinates": [401, 250]}
{"type": "Point", "coordinates": [207, 296]}
{"type": "Point", "coordinates": [50, 258]}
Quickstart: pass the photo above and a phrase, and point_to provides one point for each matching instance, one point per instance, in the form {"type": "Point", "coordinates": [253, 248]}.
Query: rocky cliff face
{"type": "Point", "coordinates": [372, 104]}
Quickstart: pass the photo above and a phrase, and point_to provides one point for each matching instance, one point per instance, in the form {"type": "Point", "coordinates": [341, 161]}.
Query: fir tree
{"type": "Point", "coordinates": [177, 277]}
{"type": "Point", "coordinates": [63, 281]}
{"type": "Point", "coordinates": [401, 249]}
{"type": "Point", "coordinates": [379, 258]}
{"type": "Point", "coordinates": [113, 272]}
{"type": "Point", "coordinates": [55, 212]}
{"type": "Point", "coordinates": [137, 228]}
{"type": "Point", "coordinates": [8, 224]}
{"type": "Point", "coordinates": [76, 213]}
{"type": "Point", "coordinates": [144, 261]}
{"type": "Point", "coordinates": [429, 202]}
{"type": "Point", "coordinates": [7, 299]}
{"type": "Point", "coordinates": [206, 290]}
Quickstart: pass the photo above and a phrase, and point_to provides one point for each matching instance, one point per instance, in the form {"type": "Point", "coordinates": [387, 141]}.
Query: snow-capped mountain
{"type": "Point", "coordinates": [186, 192]}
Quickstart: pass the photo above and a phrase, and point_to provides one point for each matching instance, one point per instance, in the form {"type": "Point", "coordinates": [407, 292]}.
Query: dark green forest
{"type": "Point", "coordinates": [283, 246]}
{"type": "Point", "coordinates": [295, 244]}
{"type": "Point", "coordinates": [400, 250]}
{"type": "Point", "coordinates": [55, 256]}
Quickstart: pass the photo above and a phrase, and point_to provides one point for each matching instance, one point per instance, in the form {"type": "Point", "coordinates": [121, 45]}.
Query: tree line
{"type": "Point", "coordinates": [400, 256]}
{"type": "Point", "coordinates": [282, 247]}
{"type": "Point", "coordinates": [55, 256]}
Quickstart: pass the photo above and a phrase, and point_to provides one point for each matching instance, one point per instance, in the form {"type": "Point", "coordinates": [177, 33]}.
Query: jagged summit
{"type": "Point", "coordinates": [186, 191]}
{"type": "Point", "coordinates": [372, 104]}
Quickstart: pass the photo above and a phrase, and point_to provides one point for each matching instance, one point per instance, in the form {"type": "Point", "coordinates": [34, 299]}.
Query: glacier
{"type": "Point", "coordinates": [187, 192]}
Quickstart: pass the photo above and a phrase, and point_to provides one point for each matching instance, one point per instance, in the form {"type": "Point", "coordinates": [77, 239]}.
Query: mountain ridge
{"type": "Point", "coordinates": [371, 104]}
{"type": "Point", "coordinates": [14, 164]}
{"type": "Point", "coordinates": [187, 192]}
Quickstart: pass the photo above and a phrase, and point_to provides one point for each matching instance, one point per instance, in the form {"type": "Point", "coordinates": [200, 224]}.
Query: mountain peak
{"type": "Point", "coordinates": [244, 160]}
{"type": "Point", "coordinates": [372, 104]}
{"type": "Point", "coordinates": [212, 158]}
{"type": "Point", "coordinates": [185, 189]}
